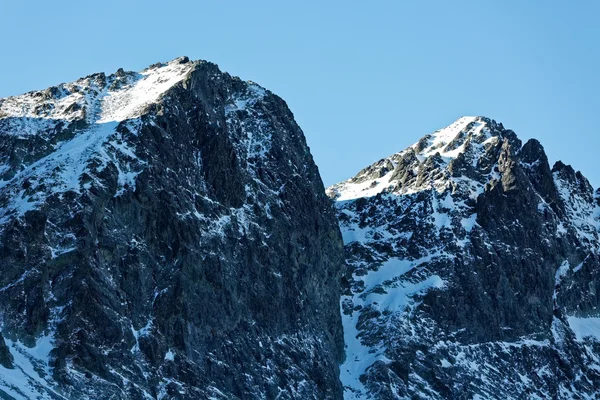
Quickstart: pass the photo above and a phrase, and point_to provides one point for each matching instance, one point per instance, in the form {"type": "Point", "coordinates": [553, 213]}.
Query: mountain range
{"type": "Point", "coordinates": [165, 234]}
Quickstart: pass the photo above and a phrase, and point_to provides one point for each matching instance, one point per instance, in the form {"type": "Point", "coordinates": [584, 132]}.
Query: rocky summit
{"type": "Point", "coordinates": [472, 271]}
{"type": "Point", "coordinates": [164, 235]}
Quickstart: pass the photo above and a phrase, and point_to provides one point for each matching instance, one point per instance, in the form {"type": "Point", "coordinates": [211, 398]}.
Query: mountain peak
{"type": "Point", "coordinates": [466, 148]}
{"type": "Point", "coordinates": [128, 199]}
{"type": "Point", "coordinates": [451, 140]}
{"type": "Point", "coordinates": [71, 124]}
{"type": "Point", "coordinates": [465, 250]}
{"type": "Point", "coordinates": [98, 98]}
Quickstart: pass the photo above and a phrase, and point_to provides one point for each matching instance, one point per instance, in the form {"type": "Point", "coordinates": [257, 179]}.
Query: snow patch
{"type": "Point", "coordinates": [585, 327]}
{"type": "Point", "coordinates": [146, 88]}
{"type": "Point", "coordinates": [31, 376]}
{"type": "Point", "coordinates": [396, 296]}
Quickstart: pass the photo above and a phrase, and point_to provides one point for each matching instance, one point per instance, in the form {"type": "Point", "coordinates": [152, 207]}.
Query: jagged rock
{"type": "Point", "coordinates": [472, 271]}
{"type": "Point", "coordinates": [6, 358]}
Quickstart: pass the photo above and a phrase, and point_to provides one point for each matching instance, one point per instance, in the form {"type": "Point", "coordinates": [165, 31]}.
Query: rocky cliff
{"type": "Point", "coordinates": [164, 234]}
{"type": "Point", "coordinates": [472, 271]}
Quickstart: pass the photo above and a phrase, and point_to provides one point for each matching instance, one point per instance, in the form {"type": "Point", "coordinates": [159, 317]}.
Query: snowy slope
{"type": "Point", "coordinates": [99, 103]}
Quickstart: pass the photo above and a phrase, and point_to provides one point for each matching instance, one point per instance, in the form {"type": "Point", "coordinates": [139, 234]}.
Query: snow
{"type": "Point", "coordinates": [561, 272]}
{"type": "Point", "coordinates": [358, 358]}
{"type": "Point", "coordinates": [440, 139]}
{"type": "Point", "coordinates": [398, 295]}
{"type": "Point", "coordinates": [31, 377]}
{"type": "Point", "coordinates": [61, 170]}
{"type": "Point", "coordinates": [440, 215]}
{"type": "Point", "coordinates": [20, 280]}
{"type": "Point", "coordinates": [137, 334]}
{"type": "Point", "coordinates": [126, 102]}
{"type": "Point", "coordinates": [466, 134]}
{"type": "Point", "coordinates": [106, 105]}
{"type": "Point", "coordinates": [387, 281]}
{"type": "Point", "coordinates": [583, 215]}
{"type": "Point", "coordinates": [25, 116]}
{"type": "Point", "coordinates": [389, 287]}
{"type": "Point", "coordinates": [255, 93]}
{"type": "Point", "coordinates": [99, 104]}
{"type": "Point", "coordinates": [146, 88]}
{"type": "Point", "coordinates": [355, 234]}
{"type": "Point", "coordinates": [254, 135]}
{"type": "Point", "coordinates": [585, 327]}
{"type": "Point", "coordinates": [368, 188]}
{"type": "Point", "coordinates": [57, 251]}
{"type": "Point", "coordinates": [469, 223]}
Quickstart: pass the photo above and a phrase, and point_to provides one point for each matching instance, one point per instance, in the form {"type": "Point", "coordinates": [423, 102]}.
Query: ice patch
{"type": "Point", "coordinates": [469, 223]}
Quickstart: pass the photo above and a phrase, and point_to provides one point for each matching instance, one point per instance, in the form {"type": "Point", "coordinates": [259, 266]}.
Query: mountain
{"type": "Point", "coordinates": [472, 271]}
{"type": "Point", "coordinates": [164, 234]}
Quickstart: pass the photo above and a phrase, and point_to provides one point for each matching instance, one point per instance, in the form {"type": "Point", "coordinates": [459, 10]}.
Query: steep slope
{"type": "Point", "coordinates": [472, 271]}
{"type": "Point", "coordinates": [164, 234]}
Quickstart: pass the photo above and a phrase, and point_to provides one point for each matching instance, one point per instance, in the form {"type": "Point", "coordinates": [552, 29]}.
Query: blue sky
{"type": "Point", "coordinates": [364, 79]}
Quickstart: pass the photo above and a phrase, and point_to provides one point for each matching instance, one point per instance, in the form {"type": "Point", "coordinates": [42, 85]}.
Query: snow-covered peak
{"type": "Point", "coordinates": [140, 90]}
{"type": "Point", "coordinates": [97, 98]}
{"type": "Point", "coordinates": [411, 170]}
{"type": "Point", "coordinates": [75, 127]}
{"type": "Point", "coordinates": [453, 139]}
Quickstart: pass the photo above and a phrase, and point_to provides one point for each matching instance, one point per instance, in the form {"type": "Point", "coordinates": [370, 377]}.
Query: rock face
{"type": "Point", "coordinates": [472, 271]}
{"type": "Point", "coordinates": [164, 234]}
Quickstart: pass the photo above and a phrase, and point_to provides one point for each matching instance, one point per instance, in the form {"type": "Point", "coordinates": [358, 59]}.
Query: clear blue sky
{"type": "Point", "coordinates": [364, 78]}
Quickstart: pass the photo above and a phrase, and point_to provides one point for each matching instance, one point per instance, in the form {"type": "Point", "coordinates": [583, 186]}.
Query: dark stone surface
{"type": "Point", "coordinates": [6, 358]}
{"type": "Point", "coordinates": [226, 254]}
